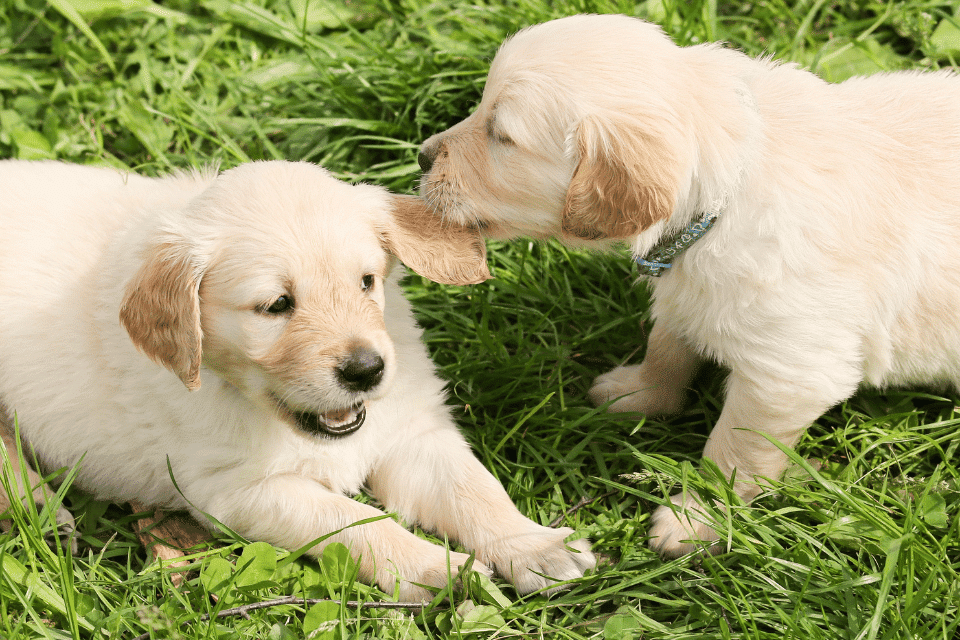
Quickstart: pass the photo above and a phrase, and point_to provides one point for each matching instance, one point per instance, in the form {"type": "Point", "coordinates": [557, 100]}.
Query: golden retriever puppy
{"type": "Point", "coordinates": [805, 235]}
{"type": "Point", "coordinates": [246, 328]}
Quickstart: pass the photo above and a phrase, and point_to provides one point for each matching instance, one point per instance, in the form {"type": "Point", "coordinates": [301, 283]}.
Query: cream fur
{"type": "Point", "coordinates": [203, 255]}
{"type": "Point", "coordinates": [836, 260]}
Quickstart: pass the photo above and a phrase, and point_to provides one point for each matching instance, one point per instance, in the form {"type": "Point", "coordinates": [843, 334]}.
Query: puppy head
{"type": "Point", "coordinates": [273, 279]}
{"type": "Point", "coordinates": [587, 130]}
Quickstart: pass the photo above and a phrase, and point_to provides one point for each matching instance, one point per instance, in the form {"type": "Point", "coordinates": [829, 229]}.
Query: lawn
{"type": "Point", "coordinates": [861, 539]}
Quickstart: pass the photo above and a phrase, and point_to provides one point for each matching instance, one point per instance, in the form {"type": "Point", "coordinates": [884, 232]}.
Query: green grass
{"type": "Point", "coordinates": [864, 544]}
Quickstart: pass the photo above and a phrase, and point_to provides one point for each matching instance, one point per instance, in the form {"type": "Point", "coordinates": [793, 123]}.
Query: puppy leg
{"type": "Point", "coordinates": [657, 386]}
{"type": "Point", "coordinates": [39, 489]}
{"type": "Point", "coordinates": [782, 409]}
{"type": "Point", "coordinates": [435, 479]}
{"type": "Point", "coordinates": [290, 511]}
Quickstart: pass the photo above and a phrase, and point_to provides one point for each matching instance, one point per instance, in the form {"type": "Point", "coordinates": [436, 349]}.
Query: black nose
{"type": "Point", "coordinates": [362, 370]}
{"type": "Point", "coordinates": [428, 154]}
{"type": "Point", "coordinates": [424, 161]}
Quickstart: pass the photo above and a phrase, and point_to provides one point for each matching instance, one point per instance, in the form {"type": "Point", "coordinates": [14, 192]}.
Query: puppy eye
{"type": "Point", "coordinates": [500, 137]}
{"type": "Point", "coordinates": [497, 135]}
{"type": "Point", "coordinates": [280, 305]}
{"type": "Point", "coordinates": [367, 282]}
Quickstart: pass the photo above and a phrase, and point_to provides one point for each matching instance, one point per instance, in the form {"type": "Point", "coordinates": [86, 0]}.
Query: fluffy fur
{"type": "Point", "coordinates": [835, 260]}
{"type": "Point", "coordinates": [235, 325]}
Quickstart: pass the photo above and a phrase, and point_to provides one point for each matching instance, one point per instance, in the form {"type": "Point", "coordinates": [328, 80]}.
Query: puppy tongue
{"type": "Point", "coordinates": [341, 422]}
{"type": "Point", "coordinates": [336, 423]}
{"type": "Point", "coordinates": [344, 415]}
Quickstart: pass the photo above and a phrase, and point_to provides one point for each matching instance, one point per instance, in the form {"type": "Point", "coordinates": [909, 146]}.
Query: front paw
{"type": "Point", "coordinates": [539, 558]}
{"type": "Point", "coordinates": [434, 571]}
{"type": "Point", "coordinates": [682, 529]}
{"type": "Point", "coordinates": [632, 392]}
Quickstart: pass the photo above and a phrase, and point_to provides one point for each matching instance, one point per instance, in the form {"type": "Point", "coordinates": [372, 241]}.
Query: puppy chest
{"type": "Point", "coordinates": [341, 465]}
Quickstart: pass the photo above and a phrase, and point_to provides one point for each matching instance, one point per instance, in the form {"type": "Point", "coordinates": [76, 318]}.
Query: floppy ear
{"type": "Point", "coordinates": [161, 311]}
{"type": "Point", "coordinates": [626, 179]}
{"type": "Point", "coordinates": [435, 249]}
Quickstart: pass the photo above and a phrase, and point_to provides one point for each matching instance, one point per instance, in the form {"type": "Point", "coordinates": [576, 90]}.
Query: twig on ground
{"type": "Point", "coordinates": [167, 535]}
{"type": "Point", "coordinates": [584, 501]}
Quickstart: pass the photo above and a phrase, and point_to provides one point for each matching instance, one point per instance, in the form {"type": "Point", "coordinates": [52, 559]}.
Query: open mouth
{"type": "Point", "coordinates": [336, 424]}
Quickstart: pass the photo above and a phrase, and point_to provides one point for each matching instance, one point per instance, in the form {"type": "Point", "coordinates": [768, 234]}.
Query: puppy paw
{"type": "Point", "coordinates": [634, 393]}
{"type": "Point", "coordinates": [435, 572]}
{"type": "Point", "coordinates": [682, 529]}
{"type": "Point", "coordinates": [539, 558]}
{"type": "Point", "coordinates": [67, 528]}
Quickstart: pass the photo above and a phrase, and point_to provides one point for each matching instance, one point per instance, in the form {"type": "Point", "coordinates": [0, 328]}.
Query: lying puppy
{"type": "Point", "coordinates": [298, 373]}
{"type": "Point", "coordinates": [806, 235]}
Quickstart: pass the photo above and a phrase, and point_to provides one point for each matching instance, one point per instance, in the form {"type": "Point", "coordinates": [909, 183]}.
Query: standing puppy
{"type": "Point", "coordinates": [804, 234]}
{"type": "Point", "coordinates": [245, 327]}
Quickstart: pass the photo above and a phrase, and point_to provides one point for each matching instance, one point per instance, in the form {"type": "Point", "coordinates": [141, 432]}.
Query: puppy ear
{"type": "Point", "coordinates": [435, 249]}
{"type": "Point", "coordinates": [161, 311]}
{"type": "Point", "coordinates": [626, 179]}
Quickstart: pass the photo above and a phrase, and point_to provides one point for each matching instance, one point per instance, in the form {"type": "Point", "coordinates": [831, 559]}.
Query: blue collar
{"type": "Point", "coordinates": [665, 251]}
